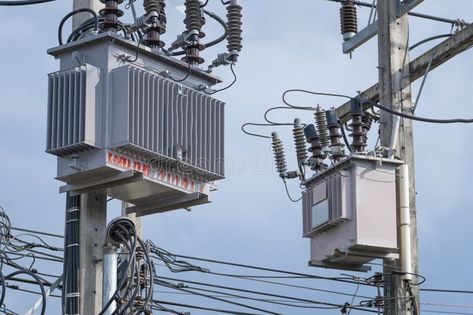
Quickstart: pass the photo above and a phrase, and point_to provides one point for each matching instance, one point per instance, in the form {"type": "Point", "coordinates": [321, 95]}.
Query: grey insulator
{"type": "Point", "coordinates": [194, 19]}
{"type": "Point", "coordinates": [234, 26]}
{"type": "Point", "coordinates": [299, 141]}
{"type": "Point", "coordinates": [322, 127]}
{"type": "Point", "coordinates": [157, 22]}
{"type": "Point", "coordinates": [279, 155]}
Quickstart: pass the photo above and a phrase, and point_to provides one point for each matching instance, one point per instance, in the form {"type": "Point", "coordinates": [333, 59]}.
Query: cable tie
{"type": "Point", "coordinates": [74, 209]}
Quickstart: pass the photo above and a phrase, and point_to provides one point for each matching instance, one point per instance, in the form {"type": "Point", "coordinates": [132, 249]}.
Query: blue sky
{"type": "Point", "coordinates": [287, 45]}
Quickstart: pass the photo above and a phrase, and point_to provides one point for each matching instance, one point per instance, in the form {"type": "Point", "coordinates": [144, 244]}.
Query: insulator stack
{"type": "Point", "coordinates": [111, 13]}
{"type": "Point", "coordinates": [368, 120]}
{"type": "Point", "coordinates": [299, 141]}
{"type": "Point", "coordinates": [358, 133]}
{"type": "Point", "coordinates": [348, 19]}
{"type": "Point", "coordinates": [316, 148]}
{"type": "Point", "coordinates": [336, 146]}
{"type": "Point", "coordinates": [194, 21]}
{"type": "Point", "coordinates": [358, 127]}
{"type": "Point", "coordinates": [156, 9]}
{"type": "Point", "coordinates": [322, 128]}
{"type": "Point", "coordinates": [279, 155]}
{"type": "Point", "coordinates": [234, 29]}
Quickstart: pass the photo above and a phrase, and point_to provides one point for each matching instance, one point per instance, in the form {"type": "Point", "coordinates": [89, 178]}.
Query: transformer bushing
{"type": "Point", "coordinates": [155, 10]}
{"type": "Point", "coordinates": [368, 120]}
{"type": "Point", "coordinates": [316, 148]}
{"type": "Point", "coordinates": [194, 21]}
{"type": "Point", "coordinates": [111, 13]}
{"type": "Point", "coordinates": [336, 147]}
{"type": "Point", "coordinates": [322, 128]}
{"type": "Point", "coordinates": [358, 127]}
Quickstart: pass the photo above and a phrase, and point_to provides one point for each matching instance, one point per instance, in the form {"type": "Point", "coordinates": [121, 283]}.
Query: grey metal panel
{"type": "Point", "coordinates": [71, 110]}
{"type": "Point", "coordinates": [161, 115]}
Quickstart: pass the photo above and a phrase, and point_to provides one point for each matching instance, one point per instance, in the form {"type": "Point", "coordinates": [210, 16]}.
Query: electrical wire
{"type": "Point", "coordinates": [284, 97]}
{"type": "Point", "coordinates": [322, 305]}
{"type": "Point", "coordinates": [213, 42]}
{"type": "Point", "coordinates": [189, 70]}
{"type": "Point", "coordinates": [277, 123]}
{"type": "Point", "coordinates": [289, 194]}
{"type": "Point", "coordinates": [423, 119]}
{"type": "Point", "coordinates": [445, 312]}
{"type": "Point", "coordinates": [428, 40]}
{"type": "Point", "coordinates": [38, 282]}
{"type": "Point", "coordinates": [72, 13]}
{"type": "Point", "coordinates": [203, 308]}
{"type": "Point", "coordinates": [446, 291]}
{"type": "Point", "coordinates": [235, 78]}
{"type": "Point", "coordinates": [282, 302]}
{"type": "Point", "coordinates": [23, 2]}
{"type": "Point", "coordinates": [36, 232]}
{"type": "Point", "coordinates": [222, 23]}
{"type": "Point", "coordinates": [383, 108]}
{"type": "Point", "coordinates": [353, 298]}
{"type": "Point", "coordinates": [345, 138]}
{"type": "Point", "coordinates": [180, 288]}
{"type": "Point", "coordinates": [258, 279]}
{"type": "Point", "coordinates": [446, 305]}
{"type": "Point", "coordinates": [272, 270]}
{"type": "Point", "coordinates": [255, 134]}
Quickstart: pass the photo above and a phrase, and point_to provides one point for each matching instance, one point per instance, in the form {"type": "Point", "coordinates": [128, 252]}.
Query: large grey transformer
{"type": "Point", "coordinates": [120, 119]}
{"type": "Point", "coordinates": [349, 213]}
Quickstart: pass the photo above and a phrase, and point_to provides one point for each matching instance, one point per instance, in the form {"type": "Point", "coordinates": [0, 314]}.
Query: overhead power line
{"type": "Point", "coordinates": [23, 2]}
{"type": "Point", "coordinates": [447, 291]}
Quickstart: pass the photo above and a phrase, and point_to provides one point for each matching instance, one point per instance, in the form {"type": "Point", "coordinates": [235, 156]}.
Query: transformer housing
{"type": "Point", "coordinates": [124, 125]}
{"type": "Point", "coordinates": [350, 213]}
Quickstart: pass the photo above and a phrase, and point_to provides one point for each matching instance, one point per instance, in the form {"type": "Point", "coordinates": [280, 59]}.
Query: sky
{"type": "Point", "coordinates": [287, 45]}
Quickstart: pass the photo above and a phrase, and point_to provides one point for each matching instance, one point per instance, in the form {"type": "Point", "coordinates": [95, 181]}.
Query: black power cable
{"type": "Point", "coordinates": [322, 305]}
{"type": "Point", "coordinates": [235, 78]}
{"type": "Point", "coordinates": [221, 311]}
{"type": "Point", "coordinates": [308, 276]}
{"type": "Point", "coordinates": [23, 2]}
{"type": "Point", "coordinates": [72, 13]}
{"type": "Point", "coordinates": [422, 119]}
{"type": "Point", "coordinates": [381, 107]}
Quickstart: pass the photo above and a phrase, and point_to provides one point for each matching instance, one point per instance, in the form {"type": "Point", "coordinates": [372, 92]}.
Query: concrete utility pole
{"type": "Point", "coordinates": [92, 220]}
{"type": "Point", "coordinates": [396, 133]}
{"type": "Point", "coordinates": [80, 18]}
{"type": "Point", "coordinates": [396, 72]}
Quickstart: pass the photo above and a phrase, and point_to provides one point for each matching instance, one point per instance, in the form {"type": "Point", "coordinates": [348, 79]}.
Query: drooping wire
{"type": "Point", "coordinates": [428, 40]}
{"type": "Point", "coordinates": [203, 308]}
{"type": "Point", "coordinates": [255, 134]}
{"type": "Point", "coordinates": [289, 194]}
{"type": "Point", "coordinates": [279, 271]}
{"type": "Point", "coordinates": [383, 108]}
{"type": "Point", "coordinates": [323, 305]}
{"type": "Point", "coordinates": [23, 2]}
{"type": "Point", "coordinates": [72, 13]}
{"type": "Point", "coordinates": [235, 78]}
{"type": "Point", "coordinates": [180, 288]}
{"type": "Point", "coordinates": [284, 97]}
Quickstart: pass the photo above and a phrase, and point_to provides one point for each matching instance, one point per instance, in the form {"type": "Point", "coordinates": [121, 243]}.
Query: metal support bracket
{"type": "Point", "coordinates": [102, 182]}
